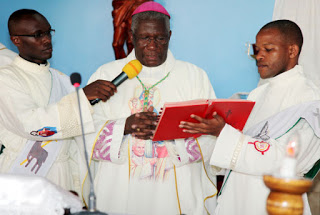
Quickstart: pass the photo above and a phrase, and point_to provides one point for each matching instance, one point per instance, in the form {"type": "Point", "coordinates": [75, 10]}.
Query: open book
{"type": "Point", "coordinates": [234, 111]}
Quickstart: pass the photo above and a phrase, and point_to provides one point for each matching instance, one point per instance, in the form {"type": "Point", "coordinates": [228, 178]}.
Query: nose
{"type": "Point", "coordinates": [46, 39]}
{"type": "Point", "coordinates": [259, 55]}
{"type": "Point", "coordinates": [152, 43]}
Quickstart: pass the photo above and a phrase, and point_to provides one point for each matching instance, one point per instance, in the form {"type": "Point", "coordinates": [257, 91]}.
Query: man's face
{"type": "Point", "coordinates": [138, 149]}
{"type": "Point", "coordinates": [272, 53]}
{"type": "Point", "coordinates": [151, 42]}
{"type": "Point", "coordinates": [37, 50]}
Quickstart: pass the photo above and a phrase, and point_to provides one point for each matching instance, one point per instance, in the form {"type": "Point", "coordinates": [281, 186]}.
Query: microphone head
{"type": "Point", "coordinates": [132, 69]}
{"type": "Point", "coordinates": [75, 79]}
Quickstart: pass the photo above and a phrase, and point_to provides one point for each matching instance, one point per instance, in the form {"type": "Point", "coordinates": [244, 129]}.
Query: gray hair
{"type": "Point", "coordinates": [149, 15]}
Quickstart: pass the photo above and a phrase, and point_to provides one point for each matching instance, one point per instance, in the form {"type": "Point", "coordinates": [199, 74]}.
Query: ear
{"type": "Point", "coordinates": [293, 51]}
{"type": "Point", "coordinates": [15, 40]}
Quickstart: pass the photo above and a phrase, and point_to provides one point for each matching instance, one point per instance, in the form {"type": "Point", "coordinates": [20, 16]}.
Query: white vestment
{"type": "Point", "coordinates": [244, 191]}
{"type": "Point", "coordinates": [25, 89]}
{"type": "Point", "coordinates": [6, 55]}
{"type": "Point", "coordinates": [145, 183]}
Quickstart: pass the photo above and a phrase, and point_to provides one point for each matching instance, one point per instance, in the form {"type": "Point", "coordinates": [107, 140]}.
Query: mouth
{"type": "Point", "coordinates": [49, 49]}
{"type": "Point", "coordinates": [261, 66]}
{"type": "Point", "coordinates": [151, 55]}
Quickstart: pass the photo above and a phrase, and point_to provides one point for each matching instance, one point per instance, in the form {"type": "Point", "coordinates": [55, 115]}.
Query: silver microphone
{"type": "Point", "coordinates": [76, 81]}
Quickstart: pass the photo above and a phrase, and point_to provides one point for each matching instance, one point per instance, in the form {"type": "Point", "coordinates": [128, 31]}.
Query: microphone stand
{"type": "Point", "coordinates": [92, 197]}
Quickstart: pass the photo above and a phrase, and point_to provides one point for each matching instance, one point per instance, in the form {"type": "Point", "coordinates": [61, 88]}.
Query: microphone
{"type": "Point", "coordinates": [130, 70]}
{"type": "Point", "coordinates": [75, 79]}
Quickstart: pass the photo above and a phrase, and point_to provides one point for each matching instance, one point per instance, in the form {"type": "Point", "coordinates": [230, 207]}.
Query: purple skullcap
{"type": "Point", "coordinates": [151, 6]}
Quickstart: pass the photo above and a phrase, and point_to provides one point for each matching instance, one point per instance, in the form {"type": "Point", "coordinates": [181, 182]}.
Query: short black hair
{"type": "Point", "coordinates": [289, 30]}
{"type": "Point", "coordinates": [18, 15]}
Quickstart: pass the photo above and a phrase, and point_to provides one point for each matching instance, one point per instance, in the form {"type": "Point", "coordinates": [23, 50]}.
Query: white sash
{"type": "Point", "coordinates": [37, 157]}
{"type": "Point", "coordinates": [280, 123]}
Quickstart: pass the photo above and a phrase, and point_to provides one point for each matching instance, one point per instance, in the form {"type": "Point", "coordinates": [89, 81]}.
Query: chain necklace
{"type": "Point", "coordinates": [147, 90]}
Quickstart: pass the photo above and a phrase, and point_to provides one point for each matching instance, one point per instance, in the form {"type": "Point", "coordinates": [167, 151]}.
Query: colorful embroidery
{"type": "Point", "coordinates": [103, 144]}
{"type": "Point", "coordinates": [44, 132]}
{"type": "Point", "coordinates": [136, 104]}
{"type": "Point", "coordinates": [149, 164]}
{"type": "Point", "coordinates": [261, 146]}
{"type": "Point", "coordinates": [193, 150]}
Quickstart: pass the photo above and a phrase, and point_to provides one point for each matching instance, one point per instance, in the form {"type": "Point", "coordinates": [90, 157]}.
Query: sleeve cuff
{"type": "Point", "coordinates": [225, 147]}
{"type": "Point", "coordinates": [85, 101]}
{"type": "Point", "coordinates": [69, 115]}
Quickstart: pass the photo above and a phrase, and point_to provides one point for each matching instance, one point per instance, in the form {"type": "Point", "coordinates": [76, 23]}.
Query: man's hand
{"type": "Point", "coordinates": [141, 125]}
{"type": "Point", "coordinates": [100, 89]}
{"type": "Point", "coordinates": [205, 126]}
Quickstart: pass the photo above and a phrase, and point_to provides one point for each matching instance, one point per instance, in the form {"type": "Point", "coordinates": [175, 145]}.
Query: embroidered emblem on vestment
{"type": "Point", "coordinates": [38, 153]}
{"type": "Point", "coordinates": [44, 132]}
{"type": "Point", "coordinates": [263, 135]}
{"type": "Point", "coordinates": [260, 146]}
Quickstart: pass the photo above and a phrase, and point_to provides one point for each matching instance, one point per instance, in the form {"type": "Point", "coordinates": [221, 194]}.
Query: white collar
{"type": "Point", "coordinates": [285, 76]}
{"type": "Point", "coordinates": [30, 66]}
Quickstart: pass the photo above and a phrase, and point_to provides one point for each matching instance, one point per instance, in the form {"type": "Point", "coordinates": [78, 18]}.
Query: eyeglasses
{"type": "Point", "coordinates": [161, 40]}
{"type": "Point", "coordinates": [251, 50]}
{"type": "Point", "coordinates": [39, 35]}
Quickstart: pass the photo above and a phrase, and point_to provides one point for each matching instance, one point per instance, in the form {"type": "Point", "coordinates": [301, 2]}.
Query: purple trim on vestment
{"type": "Point", "coordinates": [102, 147]}
{"type": "Point", "coordinates": [193, 150]}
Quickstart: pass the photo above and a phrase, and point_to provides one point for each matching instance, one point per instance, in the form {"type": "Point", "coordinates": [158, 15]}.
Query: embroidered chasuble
{"type": "Point", "coordinates": [261, 148]}
{"type": "Point", "coordinates": [135, 176]}
{"type": "Point", "coordinates": [27, 114]}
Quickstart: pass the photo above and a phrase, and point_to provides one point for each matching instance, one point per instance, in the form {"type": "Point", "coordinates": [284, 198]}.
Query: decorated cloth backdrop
{"type": "Point", "coordinates": [306, 13]}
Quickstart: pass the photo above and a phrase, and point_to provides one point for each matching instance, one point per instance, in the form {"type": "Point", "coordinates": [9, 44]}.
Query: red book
{"type": "Point", "coordinates": [234, 111]}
